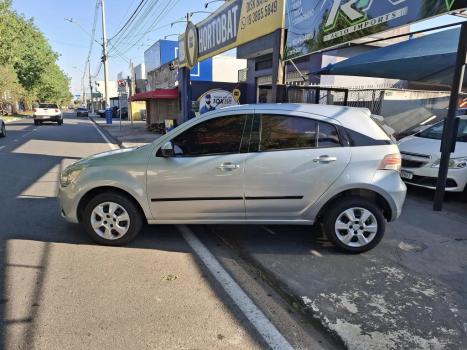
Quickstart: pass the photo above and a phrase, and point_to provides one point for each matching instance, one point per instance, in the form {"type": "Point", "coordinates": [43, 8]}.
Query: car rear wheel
{"type": "Point", "coordinates": [354, 224]}
{"type": "Point", "coordinates": [60, 122]}
{"type": "Point", "coordinates": [3, 130]}
{"type": "Point", "coordinates": [112, 219]}
{"type": "Point", "coordinates": [36, 122]}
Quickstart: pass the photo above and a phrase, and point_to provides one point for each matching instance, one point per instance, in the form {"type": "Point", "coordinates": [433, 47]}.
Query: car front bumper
{"type": "Point", "coordinates": [68, 201]}
{"type": "Point", "coordinates": [428, 176]}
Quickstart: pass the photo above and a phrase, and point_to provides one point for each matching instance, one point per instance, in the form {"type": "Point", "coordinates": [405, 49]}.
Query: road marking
{"type": "Point", "coordinates": [1, 147]}
{"type": "Point", "coordinates": [264, 327]}
{"type": "Point", "coordinates": [103, 135]}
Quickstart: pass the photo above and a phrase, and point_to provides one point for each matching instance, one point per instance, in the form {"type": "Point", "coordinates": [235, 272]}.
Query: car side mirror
{"type": "Point", "coordinates": [167, 150]}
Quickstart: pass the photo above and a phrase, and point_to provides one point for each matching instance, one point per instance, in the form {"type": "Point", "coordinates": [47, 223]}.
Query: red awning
{"type": "Point", "coordinates": [158, 94]}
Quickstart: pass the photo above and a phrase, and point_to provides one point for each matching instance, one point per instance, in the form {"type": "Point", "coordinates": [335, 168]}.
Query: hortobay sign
{"type": "Point", "coordinates": [234, 23]}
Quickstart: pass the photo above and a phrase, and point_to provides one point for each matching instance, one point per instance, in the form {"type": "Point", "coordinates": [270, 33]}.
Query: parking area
{"type": "Point", "coordinates": [411, 289]}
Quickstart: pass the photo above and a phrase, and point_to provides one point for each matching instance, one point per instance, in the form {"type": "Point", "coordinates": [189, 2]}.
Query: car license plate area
{"type": "Point", "coordinates": [406, 175]}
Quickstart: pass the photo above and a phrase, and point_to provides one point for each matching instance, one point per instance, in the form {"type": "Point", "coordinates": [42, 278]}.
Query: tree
{"type": "Point", "coordinates": [10, 88]}
{"type": "Point", "coordinates": [24, 47]}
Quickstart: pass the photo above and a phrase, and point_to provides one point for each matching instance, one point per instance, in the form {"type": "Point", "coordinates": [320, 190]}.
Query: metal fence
{"type": "Point", "coordinates": [367, 98]}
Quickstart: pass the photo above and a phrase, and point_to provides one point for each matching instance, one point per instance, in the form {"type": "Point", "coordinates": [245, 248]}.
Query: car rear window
{"type": "Point", "coordinates": [47, 105]}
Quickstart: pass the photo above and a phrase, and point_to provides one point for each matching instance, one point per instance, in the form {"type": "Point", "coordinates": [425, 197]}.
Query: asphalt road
{"type": "Point", "coordinates": [61, 291]}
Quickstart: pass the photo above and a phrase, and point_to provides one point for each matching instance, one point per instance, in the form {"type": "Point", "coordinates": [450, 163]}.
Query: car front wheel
{"type": "Point", "coordinates": [354, 224]}
{"type": "Point", "coordinates": [112, 219]}
{"type": "Point", "coordinates": [2, 130]}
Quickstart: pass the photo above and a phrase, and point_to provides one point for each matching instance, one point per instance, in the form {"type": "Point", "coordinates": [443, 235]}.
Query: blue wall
{"type": "Point", "coordinates": [169, 51]}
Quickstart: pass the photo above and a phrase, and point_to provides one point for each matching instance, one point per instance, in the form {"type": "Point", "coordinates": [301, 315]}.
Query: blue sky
{"type": "Point", "coordinates": [73, 44]}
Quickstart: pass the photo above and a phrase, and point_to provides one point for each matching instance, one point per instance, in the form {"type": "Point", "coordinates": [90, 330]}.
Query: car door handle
{"type": "Point", "coordinates": [324, 159]}
{"type": "Point", "coordinates": [228, 166]}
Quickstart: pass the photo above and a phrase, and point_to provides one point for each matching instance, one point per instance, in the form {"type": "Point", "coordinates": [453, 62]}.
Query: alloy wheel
{"type": "Point", "coordinates": [110, 220]}
{"type": "Point", "coordinates": [356, 227]}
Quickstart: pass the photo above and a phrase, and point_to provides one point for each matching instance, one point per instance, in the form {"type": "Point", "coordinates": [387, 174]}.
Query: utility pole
{"type": "Point", "coordinates": [90, 88]}
{"type": "Point", "coordinates": [104, 57]}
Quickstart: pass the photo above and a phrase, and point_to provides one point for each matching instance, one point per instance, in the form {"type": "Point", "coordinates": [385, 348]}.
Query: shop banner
{"type": "Point", "coordinates": [234, 23]}
{"type": "Point", "coordinates": [317, 24]}
{"type": "Point", "coordinates": [216, 99]}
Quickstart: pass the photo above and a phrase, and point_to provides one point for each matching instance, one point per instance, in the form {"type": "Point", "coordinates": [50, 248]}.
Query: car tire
{"type": "Point", "coordinates": [354, 235]}
{"type": "Point", "coordinates": [3, 130]}
{"type": "Point", "coordinates": [36, 122]}
{"type": "Point", "coordinates": [60, 122]}
{"type": "Point", "coordinates": [118, 205]}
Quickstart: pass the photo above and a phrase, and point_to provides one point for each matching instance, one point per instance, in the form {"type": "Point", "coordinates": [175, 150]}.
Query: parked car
{"type": "Point", "coordinates": [47, 112]}
{"type": "Point", "coordinates": [250, 164]}
{"type": "Point", "coordinates": [421, 157]}
{"type": "Point", "coordinates": [82, 112]}
{"type": "Point", "coordinates": [2, 128]}
{"type": "Point", "coordinates": [124, 113]}
{"type": "Point", "coordinates": [101, 113]}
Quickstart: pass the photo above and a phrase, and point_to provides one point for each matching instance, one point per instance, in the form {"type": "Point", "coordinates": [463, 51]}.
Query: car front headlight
{"type": "Point", "coordinates": [69, 175]}
{"type": "Point", "coordinates": [454, 163]}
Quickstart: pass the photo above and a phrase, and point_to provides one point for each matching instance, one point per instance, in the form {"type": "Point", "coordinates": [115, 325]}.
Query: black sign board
{"type": "Point", "coordinates": [317, 24]}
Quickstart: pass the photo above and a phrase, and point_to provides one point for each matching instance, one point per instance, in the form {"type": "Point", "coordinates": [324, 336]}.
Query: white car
{"type": "Point", "coordinates": [47, 112]}
{"type": "Point", "coordinates": [421, 157]}
{"type": "Point", "coordinates": [296, 164]}
{"type": "Point", "coordinates": [2, 128]}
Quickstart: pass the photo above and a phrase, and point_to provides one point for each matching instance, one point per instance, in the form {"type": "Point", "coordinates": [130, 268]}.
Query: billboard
{"type": "Point", "coordinates": [216, 99]}
{"type": "Point", "coordinates": [317, 24]}
{"type": "Point", "coordinates": [234, 23]}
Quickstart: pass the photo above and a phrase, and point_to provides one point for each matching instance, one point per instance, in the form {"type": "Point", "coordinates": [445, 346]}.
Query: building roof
{"type": "Point", "coordinates": [158, 94]}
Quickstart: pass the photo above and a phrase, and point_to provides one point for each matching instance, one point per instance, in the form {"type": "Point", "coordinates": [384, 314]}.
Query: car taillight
{"type": "Point", "coordinates": [391, 162]}
{"type": "Point", "coordinates": [56, 110]}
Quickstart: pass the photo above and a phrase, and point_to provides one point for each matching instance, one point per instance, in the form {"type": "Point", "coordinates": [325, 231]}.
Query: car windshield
{"type": "Point", "coordinates": [436, 131]}
{"type": "Point", "coordinates": [48, 105]}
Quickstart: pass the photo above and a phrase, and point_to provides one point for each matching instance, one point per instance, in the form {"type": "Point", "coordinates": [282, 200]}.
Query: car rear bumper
{"type": "Point", "coordinates": [47, 117]}
{"type": "Point", "coordinates": [393, 189]}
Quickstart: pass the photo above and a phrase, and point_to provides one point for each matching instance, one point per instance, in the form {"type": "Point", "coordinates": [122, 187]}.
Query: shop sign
{"type": "Point", "coordinates": [315, 24]}
{"type": "Point", "coordinates": [215, 99]}
{"type": "Point", "coordinates": [234, 23]}
{"type": "Point", "coordinates": [191, 45]}
{"type": "Point", "coordinates": [236, 93]}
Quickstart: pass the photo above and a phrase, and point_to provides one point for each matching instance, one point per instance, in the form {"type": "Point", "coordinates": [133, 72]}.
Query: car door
{"type": "Point", "coordinates": [204, 180]}
{"type": "Point", "coordinates": [294, 161]}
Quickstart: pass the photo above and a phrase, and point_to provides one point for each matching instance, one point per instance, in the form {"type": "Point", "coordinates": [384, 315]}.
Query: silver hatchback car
{"type": "Point", "coordinates": [296, 164]}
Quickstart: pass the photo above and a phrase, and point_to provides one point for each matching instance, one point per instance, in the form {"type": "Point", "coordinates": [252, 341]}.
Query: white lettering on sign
{"type": "Point", "coordinates": [218, 31]}
{"type": "Point", "coordinates": [367, 24]}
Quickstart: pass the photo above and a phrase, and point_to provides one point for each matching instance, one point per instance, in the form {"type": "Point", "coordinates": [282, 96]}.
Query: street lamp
{"type": "Point", "coordinates": [210, 2]}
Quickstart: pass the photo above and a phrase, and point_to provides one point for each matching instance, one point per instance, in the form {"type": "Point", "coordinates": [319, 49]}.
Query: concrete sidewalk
{"type": "Point", "coordinates": [128, 134]}
{"type": "Point", "coordinates": [410, 292]}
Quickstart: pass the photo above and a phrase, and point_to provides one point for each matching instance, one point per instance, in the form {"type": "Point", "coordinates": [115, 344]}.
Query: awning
{"type": "Point", "coordinates": [158, 94]}
{"type": "Point", "coordinates": [430, 58]}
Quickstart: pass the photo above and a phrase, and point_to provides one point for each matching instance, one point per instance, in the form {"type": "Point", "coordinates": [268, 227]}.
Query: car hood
{"type": "Point", "coordinates": [118, 156]}
{"type": "Point", "coordinates": [430, 147]}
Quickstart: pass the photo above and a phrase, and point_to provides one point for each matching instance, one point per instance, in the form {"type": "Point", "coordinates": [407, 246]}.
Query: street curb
{"type": "Point", "coordinates": [284, 291]}
{"type": "Point", "coordinates": [108, 134]}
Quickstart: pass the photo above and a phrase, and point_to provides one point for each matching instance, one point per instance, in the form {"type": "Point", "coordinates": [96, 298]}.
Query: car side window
{"type": "Point", "coordinates": [280, 132]}
{"type": "Point", "coordinates": [221, 135]}
{"type": "Point", "coordinates": [327, 135]}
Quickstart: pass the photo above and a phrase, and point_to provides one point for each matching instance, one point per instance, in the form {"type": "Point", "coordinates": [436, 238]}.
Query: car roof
{"type": "Point", "coordinates": [329, 111]}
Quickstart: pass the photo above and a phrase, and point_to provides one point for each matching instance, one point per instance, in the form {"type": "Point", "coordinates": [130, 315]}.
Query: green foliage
{"type": "Point", "coordinates": [10, 88]}
{"type": "Point", "coordinates": [24, 47]}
